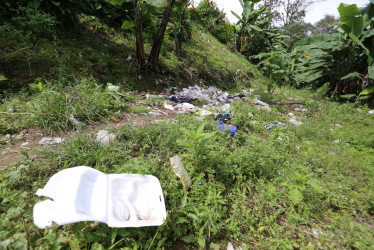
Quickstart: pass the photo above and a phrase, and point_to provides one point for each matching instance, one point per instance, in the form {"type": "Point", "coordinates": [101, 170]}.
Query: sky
{"type": "Point", "coordinates": [314, 13]}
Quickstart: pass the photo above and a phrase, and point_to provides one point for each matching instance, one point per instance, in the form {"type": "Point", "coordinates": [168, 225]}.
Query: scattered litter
{"type": "Point", "coordinates": [371, 112]}
{"type": "Point", "coordinates": [185, 107]}
{"type": "Point", "coordinates": [25, 144]}
{"type": "Point", "coordinates": [204, 113]}
{"type": "Point", "coordinates": [231, 129]}
{"type": "Point", "coordinates": [10, 108]}
{"type": "Point", "coordinates": [51, 140]}
{"type": "Point", "coordinates": [295, 122]}
{"type": "Point", "coordinates": [75, 122]}
{"type": "Point", "coordinates": [3, 100]}
{"type": "Point", "coordinates": [226, 107]}
{"type": "Point", "coordinates": [199, 118]}
{"type": "Point", "coordinates": [332, 153]}
{"type": "Point", "coordinates": [224, 117]}
{"type": "Point", "coordinates": [181, 99]}
{"type": "Point", "coordinates": [154, 113]}
{"type": "Point", "coordinates": [129, 58]}
{"type": "Point", "coordinates": [336, 125]}
{"type": "Point", "coordinates": [231, 246]}
{"type": "Point", "coordinates": [180, 171]}
{"type": "Point", "coordinates": [104, 138]}
{"type": "Point", "coordinates": [112, 88]}
{"type": "Point", "coordinates": [337, 141]}
{"type": "Point", "coordinates": [275, 124]}
{"type": "Point", "coordinates": [86, 194]}
{"type": "Point", "coordinates": [169, 107]}
{"type": "Point", "coordinates": [316, 232]}
{"type": "Point", "coordinates": [250, 115]}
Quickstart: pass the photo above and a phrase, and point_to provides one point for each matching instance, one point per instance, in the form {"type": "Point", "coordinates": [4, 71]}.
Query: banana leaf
{"type": "Point", "coordinates": [351, 19]}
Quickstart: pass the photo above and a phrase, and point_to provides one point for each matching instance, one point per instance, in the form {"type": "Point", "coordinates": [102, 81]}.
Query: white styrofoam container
{"type": "Point", "coordinates": [86, 194]}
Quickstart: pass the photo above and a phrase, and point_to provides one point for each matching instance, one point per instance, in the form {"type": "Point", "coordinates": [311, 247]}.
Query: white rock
{"type": "Point", "coordinates": [104, 138]}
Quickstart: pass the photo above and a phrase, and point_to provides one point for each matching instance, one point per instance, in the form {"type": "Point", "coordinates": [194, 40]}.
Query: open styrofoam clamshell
{"type": "Point", "coordinates": [86, 194]}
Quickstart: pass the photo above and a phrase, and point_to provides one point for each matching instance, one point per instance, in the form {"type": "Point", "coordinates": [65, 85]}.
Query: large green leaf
{"type": "Point", "coordinates": [128, 25]}
{"type": "Point", "coordinates": [367, 91]}
{"type": "Point", "coordinates": [254, 27]}
{"type": "Point", "coordinates": [157, 3]}
{"type": "Point", "coordinates": [371, 72]}
{"type": "Point", "coordinates": [318, 38]}
{"type": "Point", "coordinates": [295, 196]}
{"type": "Point", "coordinates": [118, 2]}
{"type": "Point", "coordinates": [351, 19]}
{"type": "Point", "coordinates": [236, 15]}
{"type": "Point", "coordinates": [354, 38]}
{"type": "Point", "coordinates": [3, 78]}
{"type": "Point", "coordinates": [352, 75]}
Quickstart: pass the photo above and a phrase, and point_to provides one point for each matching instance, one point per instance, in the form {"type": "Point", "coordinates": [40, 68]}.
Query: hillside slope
{"type": "Point", "coordinates": [297, 174]}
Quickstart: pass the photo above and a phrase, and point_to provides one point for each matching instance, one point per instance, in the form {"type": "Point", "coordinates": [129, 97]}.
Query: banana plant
{"type": "Point", "coordinates": [253, 22]}
{"type": "Point", "coordinates": [344, 59]}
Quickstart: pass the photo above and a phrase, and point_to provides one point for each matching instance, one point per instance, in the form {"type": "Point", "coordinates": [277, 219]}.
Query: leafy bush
{"type": "Point", "coordinates": [343, 60]}
{"type": "Point", "coordinates": [86, 101]}
{"type": "Point", "coordinates": [224, 33]}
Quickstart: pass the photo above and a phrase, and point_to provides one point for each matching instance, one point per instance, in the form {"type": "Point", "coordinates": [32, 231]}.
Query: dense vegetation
{"type": "Point", "coordinates": [92, 61]}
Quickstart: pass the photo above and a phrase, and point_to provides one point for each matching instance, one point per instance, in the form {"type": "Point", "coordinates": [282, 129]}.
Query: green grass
{"type": "Point", "coordinates": [305, 191]}
{"type": "Point", "coordinates": [288, 187]}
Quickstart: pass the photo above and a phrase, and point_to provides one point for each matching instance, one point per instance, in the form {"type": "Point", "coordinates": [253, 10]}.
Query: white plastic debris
{"type": "Point", "coordinates": [104, 138]}
{"type": "Point", "coordinates": [295, 122]}
{"type": "Point", "coordinates": [86, 194]}
{"type": "Point", "coordinates": [225, 107]}
{"type": "Point", "coordinates": [76, 123]}
{"type": "Point", "coordinates": [180, 171]}
{"type": "Point", "coordinates": [51, 140]}
{"type": "Point", "coordinates": [154, 113]}
{"type": "Point", "coordinates": [169, 107]}
{"type": "Point", "coordinates": [129, 58]}
{"type": "Point", "coordinates": [203, 113]}
{"type": "Point", "coordinates": [185, 107]}
{"type": "Point", "coordinates": [250, 115]}
{"type": "Point", "coordinates": [371, 112]}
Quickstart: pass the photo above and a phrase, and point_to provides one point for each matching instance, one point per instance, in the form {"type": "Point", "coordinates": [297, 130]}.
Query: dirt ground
{"type": "Point", "coordinates": [26, 142]}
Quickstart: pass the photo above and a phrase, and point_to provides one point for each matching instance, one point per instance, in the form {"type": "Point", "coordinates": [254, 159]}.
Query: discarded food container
{"type": "Point", "coordinates": [86, 194]}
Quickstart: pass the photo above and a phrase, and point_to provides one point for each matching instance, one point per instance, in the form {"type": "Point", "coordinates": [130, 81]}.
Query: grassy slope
{"type": "Point", "coordinates": [305, 191]}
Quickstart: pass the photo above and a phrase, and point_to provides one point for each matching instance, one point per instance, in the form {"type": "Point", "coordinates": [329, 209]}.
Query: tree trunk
{"type": "Point", "coordinates": [139, 35]}
{"type": "Point", "coordinates": [178, 44]}
{"type": "Point", "coordinates": [156, 47]}
{"type": "Point", "coordinates": [239, 42]}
